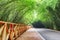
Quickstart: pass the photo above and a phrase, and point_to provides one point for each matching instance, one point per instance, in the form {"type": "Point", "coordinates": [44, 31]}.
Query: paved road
{"type": "Point", "coordinates": [40, 34]}
{"type": "Point", "coordinates": [30, 34]}
{"type": "Point", "coordinates": [49, 34]}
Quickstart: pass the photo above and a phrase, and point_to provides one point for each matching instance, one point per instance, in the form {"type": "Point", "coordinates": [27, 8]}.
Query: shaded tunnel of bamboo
{"type": "Point", "coordinates": [10, 31]}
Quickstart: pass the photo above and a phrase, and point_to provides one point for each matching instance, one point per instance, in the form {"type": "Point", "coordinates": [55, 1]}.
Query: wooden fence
{"type": "Point", "coordinates": [10, 31]}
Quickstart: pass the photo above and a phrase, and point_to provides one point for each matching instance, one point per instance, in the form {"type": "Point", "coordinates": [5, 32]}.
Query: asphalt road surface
{"type": "Point", "coordinates": [40, 34]}
{"type": "Point", "coordinates": [49, 34]}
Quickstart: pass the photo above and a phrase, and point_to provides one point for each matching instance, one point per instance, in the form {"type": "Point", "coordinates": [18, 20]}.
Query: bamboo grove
{"type": "Point", "coordinates": [29, 11]}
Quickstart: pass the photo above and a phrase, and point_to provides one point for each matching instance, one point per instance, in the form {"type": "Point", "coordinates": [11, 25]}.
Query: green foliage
{"type": "Point", "coordinates": [55, 15]}
{"type": "Point", "coordinates": [13, 10]}
{"type": "Point", "coordinates": [29, 11]}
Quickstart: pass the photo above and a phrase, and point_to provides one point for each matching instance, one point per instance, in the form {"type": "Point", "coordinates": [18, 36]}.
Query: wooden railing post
{"type": "Point", "coordinates": [4, 32]}
{"type": "Point", "coordinates": [11, 32]}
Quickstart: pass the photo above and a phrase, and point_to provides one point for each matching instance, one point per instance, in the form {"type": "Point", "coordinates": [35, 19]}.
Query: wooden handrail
{"type": "Point", "coordinates": [7, 22]}
{"type": "Point", "coordinates": [13, 30]}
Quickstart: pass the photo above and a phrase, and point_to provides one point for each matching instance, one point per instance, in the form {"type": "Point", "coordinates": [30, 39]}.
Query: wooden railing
{"type": "Point", "coordinates": [10, 31]}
